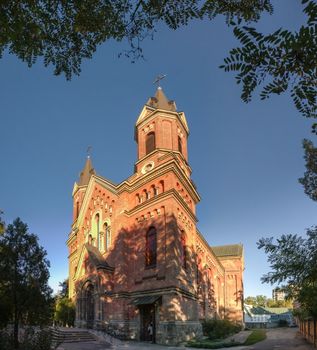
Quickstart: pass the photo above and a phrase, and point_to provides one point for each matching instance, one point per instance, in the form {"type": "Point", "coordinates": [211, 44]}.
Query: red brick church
{"type": "Point", "coordinates": [138, 266]}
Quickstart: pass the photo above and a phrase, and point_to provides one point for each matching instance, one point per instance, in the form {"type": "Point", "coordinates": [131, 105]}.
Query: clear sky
{"type": "Point", "coordinates": [246, 158]}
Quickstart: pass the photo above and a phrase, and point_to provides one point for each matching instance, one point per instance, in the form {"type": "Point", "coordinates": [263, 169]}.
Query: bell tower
{"type": "Point", "coordinates": [161, 130]}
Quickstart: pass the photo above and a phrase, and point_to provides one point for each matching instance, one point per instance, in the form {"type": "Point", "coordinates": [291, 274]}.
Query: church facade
{"type": "Point", "coordinates": [138, 266]}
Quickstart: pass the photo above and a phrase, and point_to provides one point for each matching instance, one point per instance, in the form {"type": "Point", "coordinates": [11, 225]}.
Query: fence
{"type": "Point", "coordinates": [308, 328]}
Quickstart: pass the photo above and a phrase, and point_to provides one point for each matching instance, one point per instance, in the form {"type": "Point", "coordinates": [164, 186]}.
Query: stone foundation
{"type": "Point", "coordinates": [177, 332]}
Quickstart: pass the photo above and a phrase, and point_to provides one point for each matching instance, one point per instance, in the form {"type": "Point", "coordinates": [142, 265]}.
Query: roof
{"type": "Point", "coordinates": [264, 310]}
{"type": "Point", "coordinates": [277, 310]}
{"type": "Point", "coordinates": [145, 300]}
{"type": "Point", "coordinates": [86, 173]}
{"type": "Point", "coordinates": [96, 257]}
{"type": "Point", "coordinates": [228, 250]}
{"type": "Point", "coordinates": [160, 101]}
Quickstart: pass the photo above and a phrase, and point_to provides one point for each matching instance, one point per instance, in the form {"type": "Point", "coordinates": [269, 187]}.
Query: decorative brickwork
{"type": "Point", "coordinates": [138, 266]}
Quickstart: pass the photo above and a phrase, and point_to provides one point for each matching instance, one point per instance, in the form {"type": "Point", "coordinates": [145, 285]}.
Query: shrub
{"type": "Point", "coordinates": [219, 329]}
{"type": "Point", "coordinates": [32, 339]}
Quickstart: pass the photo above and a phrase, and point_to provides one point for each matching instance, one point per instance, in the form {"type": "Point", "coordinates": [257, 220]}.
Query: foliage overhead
{"type": "Point", "coordinates": [280, 61]}
{"type": "Point", "coordinates": [24, 271]}
{"type": "Point", "coordinates": [63, 32]}
{"type": "Point", "coordinates": [309, 180]}
{"type": "Point", "coordinates": [293, 260]}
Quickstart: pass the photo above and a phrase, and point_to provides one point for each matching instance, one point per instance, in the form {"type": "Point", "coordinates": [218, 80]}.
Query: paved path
{"type": "Point", "coordinates": [277, 339]}
{"type": "Point", "coordinates": [282, 339]}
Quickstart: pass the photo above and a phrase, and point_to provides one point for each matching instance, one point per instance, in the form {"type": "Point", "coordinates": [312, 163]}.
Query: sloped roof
{"type": "Point", "coordinates": [228, 250]}
{"type": "Point", "coordinates": [160, 101]}
{"type": "Point", "coordinates": [277, 310]}
{"type": "Point", "coordinates": [264, 310]}
{"type": "Point", "coordinates": [96, 257]}
{"type": "Point", "coordinates": [86, 173]}
{"type": "Point", "coordinates": [259, 310]}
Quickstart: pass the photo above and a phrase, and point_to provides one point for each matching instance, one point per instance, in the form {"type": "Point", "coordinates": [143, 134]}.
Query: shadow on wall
{"type": "Point", "coordinates": [151, 263]}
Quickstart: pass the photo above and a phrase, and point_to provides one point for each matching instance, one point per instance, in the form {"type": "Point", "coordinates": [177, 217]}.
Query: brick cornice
{"type": "Point", "coordinates": [159, 198]}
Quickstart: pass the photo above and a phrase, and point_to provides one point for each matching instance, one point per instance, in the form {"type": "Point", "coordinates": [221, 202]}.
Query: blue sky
{"type": "Point", "coordinates": [246, 158]}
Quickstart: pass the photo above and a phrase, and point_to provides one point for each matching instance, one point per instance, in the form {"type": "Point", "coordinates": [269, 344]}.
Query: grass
{"type": "Point", "coordinates": [211, 344]}
{"type": "Point", "coordinates": [256, 336]}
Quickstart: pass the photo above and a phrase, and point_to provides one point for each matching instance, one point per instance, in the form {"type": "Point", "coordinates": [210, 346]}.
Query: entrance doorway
{"type": "Point", "coordinates": [147, 315]}
{"type": "Point", "coordinates": [90, 306]}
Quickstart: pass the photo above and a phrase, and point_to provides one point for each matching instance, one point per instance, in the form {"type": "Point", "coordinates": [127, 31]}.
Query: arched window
{"type": "Point", "coordinates": [97, 218]}
{"type": "Point", "coordinates": [183, 251]}
{"type": "Point", "coordinates": [198, 273]}
{"type": "Point", "coordinates": [107, 236]}
{"type": "Point", "coordinates": [90, 239]}
{"type": "Point", "coordinates": [150, 142]}
{"type": "Point", "coordinates": [146, 195]}
{"type": "Point", "coordinates": [153, 191]}
{"type": "Point", "coordinates": [150, 249]}
{"type": "Point", "coordinates": [180, 146]}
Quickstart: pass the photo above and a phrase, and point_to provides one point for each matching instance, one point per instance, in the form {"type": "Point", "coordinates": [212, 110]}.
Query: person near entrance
{"type": "Point", "coordinates": [150, 331]}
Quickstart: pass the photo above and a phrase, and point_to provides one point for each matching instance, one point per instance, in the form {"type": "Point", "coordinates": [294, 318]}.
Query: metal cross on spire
{"type": "Point", "coordinates": [89, 148]}
{"type": "Point", "coordinates": [158, 80]}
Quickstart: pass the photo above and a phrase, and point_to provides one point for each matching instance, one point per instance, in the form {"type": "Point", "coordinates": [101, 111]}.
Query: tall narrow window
{"type": "Point", "coordinates": [183, 251]}
{"type": "Point", "coordinates": [98, 230]}
{"type": "Point", "coordinates": [107, 236]}
{"type": "Point", "coordinates": [198, 273]}
{"type": "Point", "coordinates": [180, 147]}
{"type": "Point", "coordinates": [161, 186]}
{"type": "Point", "coordinates": [150, 142]}
{"type": "Point", "coordinates": [150, 249]}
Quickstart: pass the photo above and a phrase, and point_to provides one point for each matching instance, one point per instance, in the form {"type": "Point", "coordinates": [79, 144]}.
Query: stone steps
{"type": "Point", "coordinates": [71, 336]}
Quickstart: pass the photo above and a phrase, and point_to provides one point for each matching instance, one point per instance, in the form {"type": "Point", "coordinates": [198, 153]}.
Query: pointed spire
{"type": "Point", "coordinates": [86, 173]}
{"type": "Point", "coordinates": [160, 101]}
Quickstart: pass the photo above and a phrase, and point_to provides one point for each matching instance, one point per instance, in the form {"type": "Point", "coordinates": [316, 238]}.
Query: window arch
{"type": "Point", "coordinates": [97, 219]}
{"type": "Point", "coordinates": [180, 145]}
{"type": "Point", "coordinates": [150, 248]}
{"type": "Point", "coordinates": [150, 142]}
{"type": "Point", "coordinates": [183, 251]}
{"type": "Point", "coordinates": [107, 229]}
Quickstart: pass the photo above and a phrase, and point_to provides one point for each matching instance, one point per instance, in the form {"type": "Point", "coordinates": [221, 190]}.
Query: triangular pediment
{"type": "Point", "coordinates": [104, 183]}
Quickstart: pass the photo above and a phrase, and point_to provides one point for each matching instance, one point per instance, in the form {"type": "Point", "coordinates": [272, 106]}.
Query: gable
{"type": "Point", "coordinates": [90, 259]}
{"type": "Point", "coordinates": [109, 192]}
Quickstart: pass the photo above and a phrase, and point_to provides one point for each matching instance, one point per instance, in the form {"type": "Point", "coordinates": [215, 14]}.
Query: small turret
{"type": "Point", "coordinates": [160, 101]}
{"type": "Point", "coordinates": [86, 173]}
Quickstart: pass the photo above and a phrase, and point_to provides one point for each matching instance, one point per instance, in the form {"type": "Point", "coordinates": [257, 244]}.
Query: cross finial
{"type": "Point", "coordinates": [158, 80]}
{"type": "Point", "coordinates": [89, 148]}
